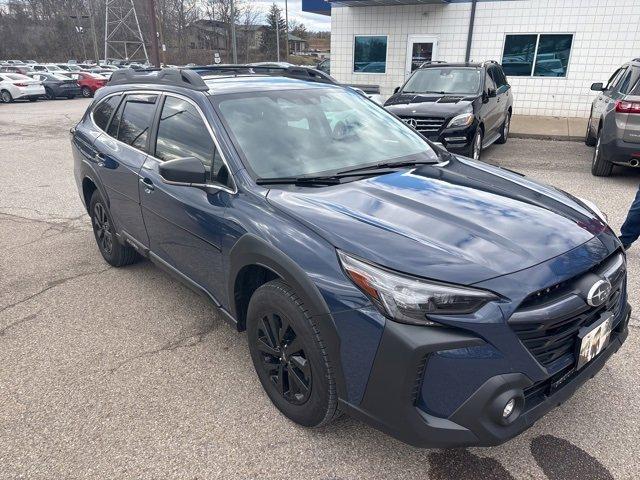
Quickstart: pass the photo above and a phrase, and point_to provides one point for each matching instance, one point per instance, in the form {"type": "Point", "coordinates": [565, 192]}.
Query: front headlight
{"type": "Point", "coordinates": [409, 299]}
{"type": "Point", "coordinates": [594, 208]}
{"type": "Point", "coordinates": [463, 120]}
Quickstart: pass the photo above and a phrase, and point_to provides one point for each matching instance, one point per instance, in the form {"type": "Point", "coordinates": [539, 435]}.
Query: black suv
{"type": "Point", "coordinates": [464, 106]}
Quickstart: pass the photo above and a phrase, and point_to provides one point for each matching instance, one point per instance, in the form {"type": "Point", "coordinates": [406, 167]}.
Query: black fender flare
{"type": "Point", "coordinates": [252, 250]}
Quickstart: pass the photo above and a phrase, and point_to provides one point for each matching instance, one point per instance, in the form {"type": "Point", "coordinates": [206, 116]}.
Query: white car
{"type": "Point", "coordinates": [14, 86]}
{"type": "Point", "coordinates": [48, 67]}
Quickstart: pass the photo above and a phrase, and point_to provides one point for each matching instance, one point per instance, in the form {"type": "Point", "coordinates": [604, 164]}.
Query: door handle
{"type": "Point", "coordinates": [99, 158]}
{"type": "Point", "coordinates": [147, 184]}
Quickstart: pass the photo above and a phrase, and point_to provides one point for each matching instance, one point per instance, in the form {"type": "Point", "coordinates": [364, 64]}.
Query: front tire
{"type": "Point", "coordinates": [33, 99]}
{"type": "Point", "coordinates": [115, 253]}
{"type": "Point", "coordinates": [475, 150]}
{"type": "Point", "coordinates": [599, 166]}
{"type": "Point", "coordinates": [86, 92]}
{"type": "Point", "coordinates": [289, 356]}
{"type": "Point", "coordinates": [504, 131]}
{"type": "Point", "coordinates": [589, 139]}
{"type": "Point", "coordinates": [49, 94]}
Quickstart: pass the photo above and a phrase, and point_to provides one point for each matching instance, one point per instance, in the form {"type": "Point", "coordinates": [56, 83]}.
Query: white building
{"type": "Point", "coordinates": [551, 50]}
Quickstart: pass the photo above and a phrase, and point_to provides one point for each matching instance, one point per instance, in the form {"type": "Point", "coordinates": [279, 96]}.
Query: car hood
{"type": "Point", "coordinates": [460, 222]}
{"type": "Point", "coordinates": [415, 104]}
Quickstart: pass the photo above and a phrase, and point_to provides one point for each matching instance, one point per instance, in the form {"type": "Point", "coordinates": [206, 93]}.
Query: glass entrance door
{"type": "Point", "coordinates": [420, 49]}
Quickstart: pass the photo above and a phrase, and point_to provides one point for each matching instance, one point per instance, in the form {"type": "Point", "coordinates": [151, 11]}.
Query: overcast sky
{"type": "Point", "coordinates": [312, 21]}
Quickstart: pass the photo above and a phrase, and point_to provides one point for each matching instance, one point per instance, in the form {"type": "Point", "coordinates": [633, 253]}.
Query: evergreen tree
{"type": "Point", "coordinates": [275, 23]}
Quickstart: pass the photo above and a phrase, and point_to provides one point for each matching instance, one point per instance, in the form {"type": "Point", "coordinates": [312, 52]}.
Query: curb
{"type": "Point", "coordinates": [542, 136]}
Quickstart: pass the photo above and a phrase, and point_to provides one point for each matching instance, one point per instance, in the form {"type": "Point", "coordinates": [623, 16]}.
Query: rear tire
{"type": "Point", "coordinates": [115, 253]}
{"type": "Point", "coordinates": [33, 99]}
{"type": "Point", "coordinates": [289, 356]}
{"type": "Point", "coordinates": [6, 96]}
{"type": "Point", "coordinates": [600, 167]}
{"type": "Point", "coordinates": [86, 92]}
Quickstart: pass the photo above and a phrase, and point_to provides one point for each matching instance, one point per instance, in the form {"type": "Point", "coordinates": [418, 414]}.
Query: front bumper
{"type": "Point", "coordinates": [392, 398]}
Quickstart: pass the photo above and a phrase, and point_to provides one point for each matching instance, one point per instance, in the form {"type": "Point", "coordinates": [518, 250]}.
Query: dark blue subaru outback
{"type": "Point", "coordinates": [444, 301]}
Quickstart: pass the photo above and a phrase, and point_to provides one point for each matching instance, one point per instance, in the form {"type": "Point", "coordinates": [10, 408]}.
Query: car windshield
{"type": "Point", "coordinates": [292, 133]}
{"type": "Point", "coordinates": [59, 76]}
{"type": "Point", "coordinates": [445, 80]}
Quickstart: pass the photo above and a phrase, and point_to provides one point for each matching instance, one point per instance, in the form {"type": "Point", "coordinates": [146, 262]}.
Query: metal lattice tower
{"type": "Point", "coordinates": [122, 34]}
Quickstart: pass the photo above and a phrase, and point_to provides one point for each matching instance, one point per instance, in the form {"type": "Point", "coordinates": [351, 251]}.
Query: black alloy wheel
{"type": "Point", "coordinates": [289, 355]}
{"type": "Point", "coordinates": [115, 253]}
{"type": "Point", "coordinates": [284, 359]}
{"type": "Point", "coordinates": [86, 92]}
{"type": "Point", "coordinates": [102, 228]}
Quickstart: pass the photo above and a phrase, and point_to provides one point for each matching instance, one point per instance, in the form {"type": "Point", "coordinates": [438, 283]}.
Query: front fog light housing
{"type": "Point", "coordinates": [409, 299]}
{"type": "Point", "coordinates": [508, 408]}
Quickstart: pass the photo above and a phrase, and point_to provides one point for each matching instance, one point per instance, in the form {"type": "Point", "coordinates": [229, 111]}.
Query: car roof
{"type": "Point", "coordinates": [457, 64]}
{"type": "Point", "coordinates": [220, 84]}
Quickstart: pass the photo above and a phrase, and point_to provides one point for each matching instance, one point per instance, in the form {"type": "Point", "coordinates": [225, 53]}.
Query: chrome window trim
{"type": "Point", "coordinates": [161, 94]}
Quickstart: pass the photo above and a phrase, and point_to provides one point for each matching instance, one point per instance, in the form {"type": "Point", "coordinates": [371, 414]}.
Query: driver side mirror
{"type": "Point", "coordinates": [597, 87]}
{"type": "Point", "coordinates": [187, 171]}
{"type": "Point", "coordinates": [491, 93]}
{"type": "Point", "coordinates": [396, 90]}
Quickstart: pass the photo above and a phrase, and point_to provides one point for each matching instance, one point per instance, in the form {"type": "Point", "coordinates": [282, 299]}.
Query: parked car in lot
{"type": "Point", "coordinates": [14, 86]}
{"type": "Point", "coordinates": [70, 67]}
{"type": "Point", "coordinates": [89, 82]}
{"type": "Point", "coordinates": [48, 67]}
{"type": "Point", "coordinates": [325, 65]}
{"type": "Point", "coordinates": [57, 85]}
{"type": "Point", "coordinates": [21, 69]}
{"type": "Point", "coordinates": [464, 106]}
{"type": "Point", "coordinates": [614, 122]}
{"type": "Point", "coordinates": [445, 301]}
{"type": "Point", "coordinates": [105, 72]}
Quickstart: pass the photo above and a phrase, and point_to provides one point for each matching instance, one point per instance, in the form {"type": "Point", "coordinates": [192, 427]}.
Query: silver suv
{"type": "Point", "coordinates": [614, 124]}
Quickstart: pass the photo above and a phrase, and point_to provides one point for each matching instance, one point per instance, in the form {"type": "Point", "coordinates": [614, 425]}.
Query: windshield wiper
{"type": "Point", "coordinates": [329, 180]}
{"type": "Point", "coordinates": [383, 166]}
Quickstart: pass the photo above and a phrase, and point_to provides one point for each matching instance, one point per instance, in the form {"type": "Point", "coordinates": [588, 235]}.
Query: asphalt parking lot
{"type": "Point", "coordinates": [124, 373]}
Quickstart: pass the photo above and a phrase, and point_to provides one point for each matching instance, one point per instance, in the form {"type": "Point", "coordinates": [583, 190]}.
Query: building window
{"type": "Point", "coordinates": [544, 55]}
{"type": "Point", "coordinates": [370, 54]}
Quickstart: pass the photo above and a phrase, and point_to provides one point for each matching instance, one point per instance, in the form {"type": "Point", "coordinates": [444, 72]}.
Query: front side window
{"type": "Point", "coordinates": [538, 55]}
{"type": "Point", "coordinates": [183, 133]}
{"type": "Point", "coordinates": [293, 133]}
{"type": "Point", "coordinates": [445, 80]}
{"type": "Point", "coordinates": [135, 120]}
{"type": "Point", "coordinates": [370, 54]}
{"type": "Point", "coordinates": [103, 111]}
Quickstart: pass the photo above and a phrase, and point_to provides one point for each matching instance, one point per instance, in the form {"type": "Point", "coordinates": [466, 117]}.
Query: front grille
{"type": "Point", "coordinates": [428, 125]}
{"type": "Point", "coordinates": [547, 322]}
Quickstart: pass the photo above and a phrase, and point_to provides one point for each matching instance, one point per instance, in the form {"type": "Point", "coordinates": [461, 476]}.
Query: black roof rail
{"type": "Point", "coordinates": [169, 76]}
{"type": "Point", "coordinates": [431, 62]}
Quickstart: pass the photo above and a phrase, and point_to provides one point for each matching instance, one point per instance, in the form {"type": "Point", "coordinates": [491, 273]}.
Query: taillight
{"type": "Point", "coordinates": [21, 84]}
{"type": "Point", "coordinates": [623, 106]}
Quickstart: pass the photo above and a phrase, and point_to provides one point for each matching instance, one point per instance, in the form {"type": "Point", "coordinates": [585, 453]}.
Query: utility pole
{"type": "Point", "coordinates": [278, 35]}
{"type": "Point", "coordinates": [234, 50]}
{"type": "Point", "coordinates": [153, 26]}
{"type": "Point", "coordinates": [79, 28]}
{"type": "Point", "coordinates": [93, 31]}
{"type": "Point", "coordinates": [286, 19]}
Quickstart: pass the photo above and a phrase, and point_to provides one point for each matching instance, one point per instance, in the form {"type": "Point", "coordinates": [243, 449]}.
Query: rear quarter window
{"type": "Point", "coordinates": [104, 110]}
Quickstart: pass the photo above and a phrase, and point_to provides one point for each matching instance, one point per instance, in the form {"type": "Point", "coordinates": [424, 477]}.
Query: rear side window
{"type": "Point", "coordinates": [134, 119]}
{"type": "Point", "coordinates": [103, 111]}
{"type": "Point", "coordinates": [183, 133]}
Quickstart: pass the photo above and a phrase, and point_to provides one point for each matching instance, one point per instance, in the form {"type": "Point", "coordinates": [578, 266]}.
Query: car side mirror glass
{"type": "Point", "coordinates": [396, 90]}
{"type": "Point", "coordinates": [491, 93]}
{"type": "Point", "coordinates": [185, 171]}
{"type": "Point", "coordinates": [597, 87]}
